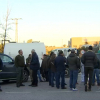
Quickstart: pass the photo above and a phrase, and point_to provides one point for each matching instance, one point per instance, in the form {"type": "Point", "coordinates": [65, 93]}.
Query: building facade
{"type": "Point", "coordinates": [77, 42]}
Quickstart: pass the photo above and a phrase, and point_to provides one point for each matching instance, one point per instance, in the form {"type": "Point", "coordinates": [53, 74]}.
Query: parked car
{"type": "Point", "coordinates": [9, 69]}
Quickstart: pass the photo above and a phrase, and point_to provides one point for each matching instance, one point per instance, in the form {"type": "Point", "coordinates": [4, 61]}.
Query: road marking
{"type": "Point", "coordinates": [60, 91]}
{"type": "Point", "coordinates": [97, 91]}
{"type": "Point", "coordinates": [17, 92]}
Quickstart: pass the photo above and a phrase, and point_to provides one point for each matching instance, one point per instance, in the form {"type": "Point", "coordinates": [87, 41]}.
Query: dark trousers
{"type": "Point", "coordinates": [34, 76]}
{"type": "Point", "coordinates": [96, 72]}
{"type": "Point", "coordinates": [88, 71]}
{"type": "Point", "coordinates": [73, 78]}
{"type": "Point", "coordinates": [19, 75]}
{"type": "Point", "coordinates": [52, 78]}
{"type": "Point", "coordinates": [49, 74]}
{"type": "Point", "coordinates": [46, 75]}
{"type": "Point", "coordinates": [62, 75]}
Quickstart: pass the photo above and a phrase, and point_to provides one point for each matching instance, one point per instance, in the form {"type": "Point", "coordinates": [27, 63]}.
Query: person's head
{"type": "Point", "coordinates": [73, 51]}
{"type": "Point", "coordinates": [29, 55]}
{"type": "Point", "coordinates": [90, 48]}
{"type": "Point", "coordinates": [61, 53]}
{"type": "Point", "coordinates": [51, 53]}
{"type": "Point", "coordinates": [32, 51]}
{"type": "Point", "coordinates": [20, 52]}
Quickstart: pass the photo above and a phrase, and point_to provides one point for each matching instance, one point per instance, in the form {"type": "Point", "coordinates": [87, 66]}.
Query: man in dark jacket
{"type": "Point", "coordinates": [1, 65]}
{"type": "Point", "coordinates": [28, 60]}
{"type": "Point", "coordinates": [60, 70]}
{"type": "Point", "coordinates": [20, 64]}
{"type": "Point", "coordinates": [34, 66]}
{"type": "Point", "coordinates": [89, 60]}
{"type": "Point", "coordinates": [96, 72]}
{"type": "Point", "coordinates": [73, 63]}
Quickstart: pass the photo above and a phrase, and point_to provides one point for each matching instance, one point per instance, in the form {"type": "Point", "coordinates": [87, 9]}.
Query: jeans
{"type": "Point", "coordinates": [34, 76]}
{"type": "Point", "coordinates": [49, 74]}
{"type": "Point", "coordinates": [62, 75]}
{"type": "Point", "coordinates": [52, 78]}
{"type": "Point", "coordinates": [39, 75]}
{"type": "Point", "coordinates": [96, 72]}
{"type": "Point", "coordinates": [73, 78]}
{"type": "Point", "coordinates": [88, 71]}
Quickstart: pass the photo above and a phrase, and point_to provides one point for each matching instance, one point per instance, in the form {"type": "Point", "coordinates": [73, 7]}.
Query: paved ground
{"type": "Point", "coordinates": [45, 92]}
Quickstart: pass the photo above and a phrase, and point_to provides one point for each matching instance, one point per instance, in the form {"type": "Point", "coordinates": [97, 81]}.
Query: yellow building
{"type": "Point", "coordinates": [77, 42]}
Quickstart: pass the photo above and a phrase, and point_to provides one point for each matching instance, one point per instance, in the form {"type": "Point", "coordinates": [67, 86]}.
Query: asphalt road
{"type": "Point", "coordinates": [45, 92]}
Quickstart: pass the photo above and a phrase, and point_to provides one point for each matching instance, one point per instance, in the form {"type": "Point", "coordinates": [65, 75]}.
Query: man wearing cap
{"type": "Point", "coordinates": [89, 60]}
{"type": "Point", "coordinates": [73, 63]}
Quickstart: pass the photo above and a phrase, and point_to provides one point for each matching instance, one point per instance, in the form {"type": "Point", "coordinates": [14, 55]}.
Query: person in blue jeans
{"type": "Point", "coordinates": [73, 64]}
{"type": "Point", "coordinates": [60, 70]}
{"type": "Point", "coordinates": [96, 72]}
{"type": "Point", "coordinates": [39, 75]}
{"type": "Point", "coordinates": [52, 68]}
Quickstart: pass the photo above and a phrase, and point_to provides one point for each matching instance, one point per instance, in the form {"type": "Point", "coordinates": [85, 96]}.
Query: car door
{"type": "Point", "coordinates": [8, 70]}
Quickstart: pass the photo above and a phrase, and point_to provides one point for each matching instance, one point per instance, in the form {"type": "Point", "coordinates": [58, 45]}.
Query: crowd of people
{"type": "Point", "coordinates": [53, 69]}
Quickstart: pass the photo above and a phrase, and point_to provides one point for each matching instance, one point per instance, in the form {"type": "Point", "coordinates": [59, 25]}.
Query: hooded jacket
{"type": "Point", "coordinates": [73, 62]}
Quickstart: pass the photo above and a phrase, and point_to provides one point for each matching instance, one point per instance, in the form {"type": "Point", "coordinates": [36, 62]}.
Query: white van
{"type": "Point", "coordinates": [11, 49]}
{"type": "Point", "coordinates": [66, 51]}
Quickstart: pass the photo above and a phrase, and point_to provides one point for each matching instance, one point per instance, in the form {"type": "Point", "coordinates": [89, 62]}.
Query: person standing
{"type": "Point", "coordinates": [34, 66]}
{"type": "Point", "coordinates": [89, 60]}
{"type": "Point", "coordinates": [60, 70]}
{"type": "Point", "coordinates": [53, 69]}
{"type": "Point", "coordinates": [20, 64]}
{"type": "Point", "coordinates": [73, 63]}
{"type": "Point", "coordinates": [82, 66]}
{"type": "Point", "coordinates": [96, 72]}
{"type": "Point", "coordinates": [1, 65]}
{"type": "Point", "coordinates": [28, 60]}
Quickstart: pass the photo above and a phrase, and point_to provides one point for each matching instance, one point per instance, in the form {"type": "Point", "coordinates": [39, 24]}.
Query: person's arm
{"type": "Point", "coordinates": [16, 61]}
{"type": "Point", "coordinates": [78, 62]}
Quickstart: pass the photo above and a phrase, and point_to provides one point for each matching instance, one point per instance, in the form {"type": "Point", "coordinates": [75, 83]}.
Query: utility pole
{"type": "Point", "coordinates": [16, 30]}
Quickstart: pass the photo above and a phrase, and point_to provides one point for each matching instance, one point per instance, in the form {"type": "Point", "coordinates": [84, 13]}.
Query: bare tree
{"type": "Point", "coordinates": [5, 27]}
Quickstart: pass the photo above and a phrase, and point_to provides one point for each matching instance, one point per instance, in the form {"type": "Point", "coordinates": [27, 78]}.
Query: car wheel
{"type": "Point", "coordinates": [67, 73]}
{"type": "Point", "coordinates": [5, 81]}
{"type": "Point", "coordinates": [25, 76]}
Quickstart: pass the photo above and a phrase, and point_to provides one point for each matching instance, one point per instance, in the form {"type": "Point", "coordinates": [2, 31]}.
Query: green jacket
{"type": "Point", "coordinates": [19, 61]}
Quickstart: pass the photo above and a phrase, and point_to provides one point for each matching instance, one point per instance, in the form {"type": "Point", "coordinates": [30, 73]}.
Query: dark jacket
{"type": "Point", "coordinates": [19, 61]}
{"type": "Point", "coordinates": [44, 64]}
{"type": "Point", "coordinates": [60, 63]}
{"type": "Point", "coordinates": [73, 62]}
{"type": "Point", "coordinates": [1, 64]}
{"type": "Point", "coordinates": [28, 60]}
{"type": "Point", "coordinates": [51, 64]}
{"type": "Point", "coordinates": [97, 65]}
{"type": "Point", "coordinates": [89, 59]}
{"type": "Point", "coordinates": [34, 64]}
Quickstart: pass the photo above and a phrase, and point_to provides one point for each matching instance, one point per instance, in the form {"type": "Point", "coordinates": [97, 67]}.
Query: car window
{"type": "Point", "coordinates": [5, 58]}
{"type": "Point", "coordinates": [65, 52]}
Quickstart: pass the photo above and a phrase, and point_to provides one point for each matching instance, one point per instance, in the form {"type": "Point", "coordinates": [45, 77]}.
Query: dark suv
{"type": "Point", "coordinates": [9, 69]}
